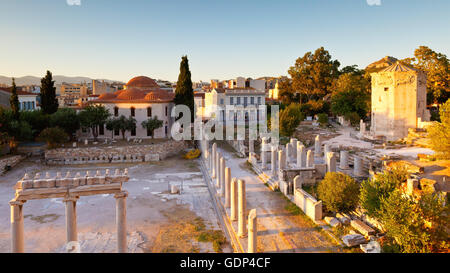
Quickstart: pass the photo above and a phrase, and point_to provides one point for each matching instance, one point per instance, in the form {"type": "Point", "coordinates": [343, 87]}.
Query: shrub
{"type": "Point", "coordinates": [66, 119]}
{"type": "Point", "coordinates": [339, 192]}
{"type": "Point", "coordinates": [290, 118]}
{"type": "Point", "coordinates": [373, 190]}
{"type": "Point", "coordinates": [53, 136]}
{"type": "Point", "coordinates": [322, 118]}
{"type": "Point", "coordinates": [353, 118]}
{"type": "Point", "coordinates": [415, 227]}
{"type": "Point", "coordinates": [439, 133]}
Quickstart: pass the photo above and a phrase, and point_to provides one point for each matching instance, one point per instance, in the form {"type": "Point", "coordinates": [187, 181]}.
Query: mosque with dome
{"type": "Point", "coordinates": [141, 98]}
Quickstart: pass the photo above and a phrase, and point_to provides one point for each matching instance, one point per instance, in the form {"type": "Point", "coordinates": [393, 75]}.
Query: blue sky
{"type": "Point", "coordinates": [119, 39]}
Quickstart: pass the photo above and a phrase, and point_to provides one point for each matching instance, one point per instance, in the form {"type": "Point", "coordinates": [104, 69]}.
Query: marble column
{"type": "Point", "coordinates": [207, 158]}
{"type": "Point", "coordinates": [281, 160]}
{"type": "Point", "coordinates": [222, 177]}
{"type": "Point", "coordinates": [343, 162]}
{"type": "Point", "coordinates": [331, 162]}
{"type": "Point", "coordinates": [213, 158]}
{"type": "Point", "coordinates": [17, 236]}
{"type": "Point", "coordinates": [274, 160]}
{"type": "Point", "coordinates": [294, 148]}
{"type": "Point", "coordinates": [358, 166]}
{"type": "Point", "coordinates": [288, 153]}
{"type": "Point", "coordinates": [121, 221]}
{"type": "Point", "coordinates": [234, 199]}
{"type": "Point", "coordinates": [251, 146]}
{"type": "Point", "coordinates": [241, 208]}
{"type": "Point", "coordinates": [252, 232]}
{"type": "Point", "coordinates": [227, 187]}
{"type": "Point", "coordinates": [71, 219]}
{"type": "Point", "coordinates": [301, 155]}
{"type": "Point", "coordinates": [263, 154]}
{"type": "Point", "coordinates": [218, 156]}
{"type": "Point", "coordinates": [310, 159]}
{"type": "Point", "coordinates": [317, 146]}
{"type": "Point", "coordinates": [326, 150]}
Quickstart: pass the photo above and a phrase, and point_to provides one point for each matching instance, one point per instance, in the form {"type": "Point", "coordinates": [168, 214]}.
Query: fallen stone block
{"type": "Point", "coordinates": [362, 228]}
{"type": "Point", "coordinates": [332, 221]}
{"type": "Point", "coordinates": [352, 240]}
{"type": "Point", "coordinates": [371, 247]}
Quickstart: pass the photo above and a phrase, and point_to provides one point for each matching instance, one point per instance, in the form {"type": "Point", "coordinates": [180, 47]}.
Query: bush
{"type": "Point", "coordinates": [439, 133]}
{"type": "Point", "coordinates": [339, 192]}
{"type": "Point", "coordinates": [353, 118]}
{"type": "Point", "coordinates": [66, 119]}
{"type": "Point", "coordinates": [37, 119]}
{"type": "Point", "coordinates": [415, 226]}
{"type": "Point", "coordinates": [373, 190]}
{"type": "Point", "coordinates": [290, 118]}
{"type": "Point", "coordinates": [322, 118]}
{"type": "Point", "coordinates": [53, 136]}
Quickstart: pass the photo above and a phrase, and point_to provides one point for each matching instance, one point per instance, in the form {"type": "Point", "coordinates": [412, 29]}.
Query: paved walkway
{"type": "Point", "coordinates": [278, 229]}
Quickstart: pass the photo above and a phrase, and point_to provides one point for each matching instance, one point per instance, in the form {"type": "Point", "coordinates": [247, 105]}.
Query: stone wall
{"type": "Point", "coordinates": [10, 161]}
{"type": "Point", "coordinates": [308, 204]}
{"type": "Point", "coordinates": [112, 154]}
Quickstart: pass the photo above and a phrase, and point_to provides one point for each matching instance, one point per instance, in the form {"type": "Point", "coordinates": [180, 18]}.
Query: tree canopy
{"type": "Point", "coordinates": [184, 93]}
{"type": "Point", "coordinates": [122, 123]}
{"type": "Point", "coordinates": [439, 132]}
{"type": "Point", "coordinates": [49, 102]}
{"type": "Point", "coordinates": [14, 101]}
{"type": "Point", "coordinates": [437, 66]}
{"type": "Point", "coordinates": [93, 116]}
{"type": "Point", "coordinates": [152, 124]}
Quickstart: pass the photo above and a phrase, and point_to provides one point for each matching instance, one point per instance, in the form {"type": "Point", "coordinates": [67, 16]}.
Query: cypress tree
{"type": "Point", "coordinates": [14, 101]}
{"type": "Point", "coordinates": [49, 103]}
{"type": "Point", "coordinates": [184, 93]}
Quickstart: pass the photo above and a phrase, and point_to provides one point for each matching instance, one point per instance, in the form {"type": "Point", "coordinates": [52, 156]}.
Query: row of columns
{"type": "Point", "coordinates": [234, 192]}
{"type": "Point", "coordinates": [17, 228]}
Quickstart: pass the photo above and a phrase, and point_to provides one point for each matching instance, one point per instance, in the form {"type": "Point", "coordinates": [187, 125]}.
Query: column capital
{"type": "Point", "coordinates": [15, 202]}
{"type": "Point", "coordinates": [69, 198]}
{"type": "Point", "coordinates": [122, 194]}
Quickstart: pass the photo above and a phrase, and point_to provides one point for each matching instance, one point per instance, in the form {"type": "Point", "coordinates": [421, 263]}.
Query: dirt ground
{"type": "Point", "coordinates": [156, 220]}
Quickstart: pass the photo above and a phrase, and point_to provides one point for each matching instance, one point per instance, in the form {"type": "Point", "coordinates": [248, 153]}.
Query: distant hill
{"type": "Point", "coordinates": [31, 80]}
{"type": "Point", "coordinates": [379, 65]}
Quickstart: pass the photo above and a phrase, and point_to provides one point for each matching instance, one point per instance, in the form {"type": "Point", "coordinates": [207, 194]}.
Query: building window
{"type": "Point", "coordinates": [116, 132]}
{"type": "Point", "coordinates": [133, 111]}
{"type": "Point", "coordinates": [252, 100]}
{"type": "Point", "coordinates": [221, 101]}
{"type": "Point", "coordinates": [101, 130]}
{"type": "Point", "coordinates": [133, 132]}
{"type": "Point", "coordinates": [386, 89]}
{"type": "Point", "coordinates": [166, 111]}
{"type": "Point", "coordinates": [238, 100]}
{"type": "Point", "coordinates": [149, 133]}
{"type": "Point", "coordinates": [259, 100]}
{"type": "Point", "coordinates": [231, 100]}
{"type": "Point", "coordinates": [149, 112]}
{"type": "Point", "coordinates": [165, 130]}
{"type": "Point", "coordinates": [245, 101]}
{"type": "Point", "coordinates": [116, 111]}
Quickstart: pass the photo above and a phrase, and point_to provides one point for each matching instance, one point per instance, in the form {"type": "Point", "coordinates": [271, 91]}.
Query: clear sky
{"type": "Point", "coordinates": [119, 39]}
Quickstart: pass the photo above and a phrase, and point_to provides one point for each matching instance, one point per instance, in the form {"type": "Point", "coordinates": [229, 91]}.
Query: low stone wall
{"type": "Point", "coordinates": [308, 204]}
{"type": "Point", "coordinates": [119, 154]}
{"type": "Point", "coordinates": [10, 161]}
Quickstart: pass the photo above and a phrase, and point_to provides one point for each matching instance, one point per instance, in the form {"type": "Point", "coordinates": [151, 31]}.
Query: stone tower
{"type": "Point", "coordinates": [399, 97]}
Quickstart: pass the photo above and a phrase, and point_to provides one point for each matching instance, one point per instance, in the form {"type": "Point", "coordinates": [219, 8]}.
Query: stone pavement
{"type": "Point", "coordinates": [278, 229]}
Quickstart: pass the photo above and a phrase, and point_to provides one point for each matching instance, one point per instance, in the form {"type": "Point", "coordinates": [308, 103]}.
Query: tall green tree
{"type": "Point", "coordinates": [122, 123]}
{"type": "Point", "coordinates": [351, 94]}
{"type": "Point", "coordinates": [93, 116]}
{"type": "Point", "coordinates": [152, 124]}
{"type": "Point", "coordinates": [14, 101]}
{"type": "Point", "coordinates": [66, 119]}
{"type": "Point", "coordinates": [184, 93]}
{"type": "Point", "coordinates": [437, 66]}
{"type": "Point", "coordinates": [49, 102]}
{"type": "Point", "coordinates": [313, 75]}
{"type": "Point", "coordinates": [290, 118]}
{"type": "Point", "coordinates": [439, 132]}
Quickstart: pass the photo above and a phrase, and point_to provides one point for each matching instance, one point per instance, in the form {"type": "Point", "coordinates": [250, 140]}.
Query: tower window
{"type": "Point", "coordinates": [116, 111]}
{"type": "Point", "coordinates": [149, 112]}
{"type": "Point", "coordinates": [133, 111]}
{"type": "Point", "coordinates": [386, 89]}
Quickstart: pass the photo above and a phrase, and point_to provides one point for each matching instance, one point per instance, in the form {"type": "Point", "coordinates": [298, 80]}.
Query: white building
{"type": "Point", "coordinates": [27, 101]}
{"type": "Point", "coordinates": [234, 104]}
{"type": "Point", "coordinates": [141, 99]}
